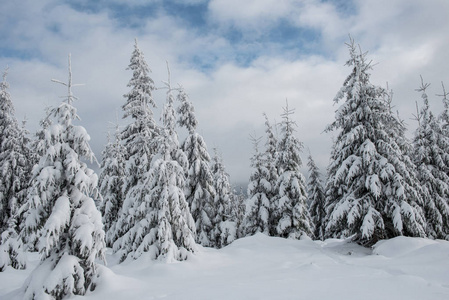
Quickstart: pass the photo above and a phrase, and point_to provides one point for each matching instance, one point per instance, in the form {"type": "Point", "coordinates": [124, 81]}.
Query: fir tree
{"type": "Point", "coordinates": [224, 227]}
{"type": "Point", "coordinates": [257, 218]}
{"type": "Point", "coordinates": [111, 185]}
{"type": "Point", "coordinates": [163, 225]}
{"type": "Point", "coordinates": [138, 137]}
{"type": "Point", "coordinates": [199, 190]}
{"type": "Point", "coordinates": [14, 177]}
{"type": "Point", "coordinates": [269, 162]}
{"type": "Point", "coordinates": [372, 191]}
{"type": "Point", "coordinates": [444, 116]}
{"type": "Point", "coordinates": [238, 211]}
{"type": "Point", "coordinates": [317, 198]}
{"type": "Point", "coordinates": [432, 160]}
{"type": "Point", "coordinates": [61, 210]}
{"type": "Point", "coordinates": [291, 218]}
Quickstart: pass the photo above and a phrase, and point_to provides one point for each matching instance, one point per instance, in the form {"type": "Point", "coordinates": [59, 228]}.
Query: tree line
{"type": "Point", "coordinates": [160, 197]}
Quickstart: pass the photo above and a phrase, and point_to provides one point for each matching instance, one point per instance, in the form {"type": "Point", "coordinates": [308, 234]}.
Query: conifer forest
{"type": "Point", "coordinates": [162, 206]}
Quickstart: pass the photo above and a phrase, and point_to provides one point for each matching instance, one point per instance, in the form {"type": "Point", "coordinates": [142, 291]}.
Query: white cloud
{"type": "Point", "coordinates": [406, 38]}
{"type": "Point", "coordinates": [250, 12]}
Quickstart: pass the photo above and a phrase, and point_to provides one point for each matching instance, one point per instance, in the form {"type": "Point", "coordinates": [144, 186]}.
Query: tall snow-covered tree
{"type": "Point", "coordinates": [238, 210]}
{"type": "Point", "coordinates": [111, 184]}
{"type": "Point", "coordinates": [224, 227]}
{"type": "Point", "coordinates": [291, 218]}
{"type": "Point", "coordinates": [61, 209]}
{"type": "Point", "coordinates": [14, 177]}
{"type": "Point", "coordinates": [317, 198]}
{"type": "Point", "coordinates": [444, 116]}
{"type": "Point", "coordinates": [372, 190]}
{"type": "Point", "coordinates": [269, 160]}
{"type": "Point", "coordinates": [432, 160]}
{"type": "Point", "coordinates": [163, 225]}
{"type": "Point", "coordinates": [258, 206]}
{"type": "Point", "coordinates": [199, 190]}
{"type": "Point", "coordinates": [138, 137]}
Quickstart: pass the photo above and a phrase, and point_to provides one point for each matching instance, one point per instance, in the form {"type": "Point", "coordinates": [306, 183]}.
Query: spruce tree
{"type": "Point", "coordinates": [61, 210]}
{"type": "Point", "coordinates": [224, 227]}
{"type": "Point", "coordinates": [372, 192]}
{"type": "Point", "coordinates": [238, 211]}
{"type": "Point", "coordinates": [317, 198]}
{"type": "Point", "coordinates": [199, 190]}
{"type": "Point", "coordinates": [163, 225]}
{"type": "Point", "coordinates": [258, 206]}
{"type": "Point", "coordinates": [291, 218]}
{"type": "Point", "coordinates": [15, 168]}
{"type": "Point", "coordinates": [432, 160]}
{"type": "Point", "coordinates": [269, 162]}
{"type": "Point", "coordinates": [111, 185]}
{"type": "Point", "coordinates": [139, 138]}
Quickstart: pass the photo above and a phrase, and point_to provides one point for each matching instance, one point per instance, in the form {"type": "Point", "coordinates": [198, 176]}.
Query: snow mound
{"type": "Point", "coordinates": [400, 246]}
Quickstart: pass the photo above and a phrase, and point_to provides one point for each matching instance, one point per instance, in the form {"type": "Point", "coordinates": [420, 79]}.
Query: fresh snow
{"type": "Point", "coordinates": [262, 267]}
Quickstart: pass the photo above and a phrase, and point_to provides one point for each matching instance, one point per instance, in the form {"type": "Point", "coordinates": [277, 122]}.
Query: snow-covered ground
{"type": "Point", "coordinates": [261, 267]}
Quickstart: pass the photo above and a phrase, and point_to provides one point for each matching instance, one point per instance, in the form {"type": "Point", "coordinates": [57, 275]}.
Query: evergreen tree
{"type": "Point", "coordinates": [199, 190]}
{"type": "Point", "coordinates": [138, 137]}
{"type": "Point", "coordinates": [269, 163]}
{"type": "Point", "coordinates": [291, 218]}
{"type": "Point", "coordinates": [14, 177]}
{"type": "Point", "coordinates": [61, 210]}
{"type": "Point", "coordinates": [444, 116]}
{"type": "Point", "coordinates": [224, 227]}
{"type": "Point", "coordinates": [432, 161]}
{"type": "Point", "coordinates": [269, 158]}
{"type": "Point", "coordinates": [258, 207]}
{"type": "Point", "coordinates": [317, 198]}
{"type": "Point", "coordinates": [163, 225]}
{"type": "Point", "coordinates": [372, 191]}
{"type": "Point", "coordinates": [111, 185]}
{"type": "Point", "coordinates": [238, 211]}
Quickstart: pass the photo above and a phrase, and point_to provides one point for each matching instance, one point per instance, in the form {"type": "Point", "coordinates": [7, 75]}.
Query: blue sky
{"type": "Point", "coordinates": [236, 59]}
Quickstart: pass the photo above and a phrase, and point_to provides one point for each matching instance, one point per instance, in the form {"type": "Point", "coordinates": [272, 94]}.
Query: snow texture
{"type": "Point", "coordinates": [262, 267]}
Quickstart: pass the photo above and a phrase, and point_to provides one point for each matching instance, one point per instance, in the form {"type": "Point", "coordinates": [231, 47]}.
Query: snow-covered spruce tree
{"type": "Point", "coordinates": [199, 190]}
{"type": "Point", "coordinates": [258, 206]}
{"type": "Point", "coordinates": [14, 177]}
{"type": "Point", "coordinates": [444, 116]}
{"type": "Point", "coordinates": [269, 160]}
{"type": "Point", "coordinates": [238, 210]}
{"type": "Point", "coordinates": [372, 192]}
{"type": "Point", "coordinates": [61, 209]}
{"type": "Point", "coordinates": [111, 184]}
{"type": "Point", "coordinates": [163, 225]}
{"type": "Point", "coordinates": [225, 228]}
{"type": "Point", "coordinates": [291, 218]}
{"type": "Point", "coordinates": [432, 160]}
{"type": "Point", "coordinates": [317, 198]}
{"type": "Point", "coordinates": [138, 137]}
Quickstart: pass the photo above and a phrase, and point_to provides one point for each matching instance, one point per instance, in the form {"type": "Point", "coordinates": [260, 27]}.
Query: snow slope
{"type": "Point", "coordinates": [261, 267]}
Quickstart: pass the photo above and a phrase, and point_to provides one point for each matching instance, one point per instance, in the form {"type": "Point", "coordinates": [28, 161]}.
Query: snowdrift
{"type": "Point", "coordinates": [261, 267]}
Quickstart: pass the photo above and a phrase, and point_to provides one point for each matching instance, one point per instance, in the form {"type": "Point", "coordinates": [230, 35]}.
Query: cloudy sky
{"type": "Point", "coordinates": [236, 59]}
